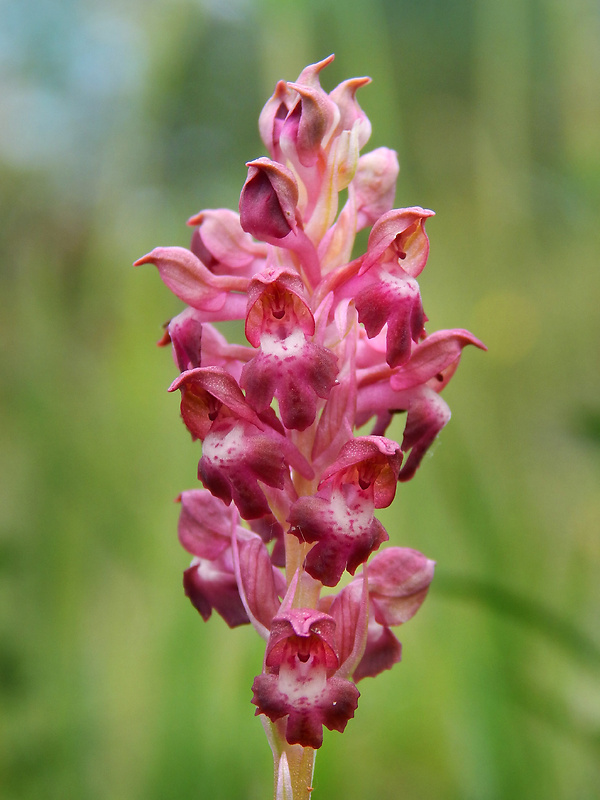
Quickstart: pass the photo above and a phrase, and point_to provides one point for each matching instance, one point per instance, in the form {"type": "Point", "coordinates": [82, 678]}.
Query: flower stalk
{"type": "Point", "coordinates": [290, 491]}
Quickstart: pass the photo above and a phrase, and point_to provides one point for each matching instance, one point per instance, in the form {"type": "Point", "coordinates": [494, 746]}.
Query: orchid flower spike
{"type": "Point", "coordinates": [290, 490]}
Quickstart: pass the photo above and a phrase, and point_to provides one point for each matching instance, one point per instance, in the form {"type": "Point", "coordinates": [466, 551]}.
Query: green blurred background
{"type": "Point", "coordinates": [120, 120]}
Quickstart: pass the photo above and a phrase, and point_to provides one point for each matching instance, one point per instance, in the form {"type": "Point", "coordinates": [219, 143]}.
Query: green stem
{"type": "Point", "coordinates": [301, 761]}
{"type": "Point", "coordinates": [297, 764]}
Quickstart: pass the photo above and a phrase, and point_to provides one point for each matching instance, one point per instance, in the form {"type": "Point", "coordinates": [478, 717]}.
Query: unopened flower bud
{"type": "Point", "coordinates": [268, 200]}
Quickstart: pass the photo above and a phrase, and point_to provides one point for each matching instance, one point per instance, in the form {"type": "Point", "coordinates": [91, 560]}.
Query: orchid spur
{"type": "Point", "coordinates": [333, 341]}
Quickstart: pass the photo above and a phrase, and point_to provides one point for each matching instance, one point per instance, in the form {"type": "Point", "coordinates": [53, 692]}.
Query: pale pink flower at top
{"type": "Point", "coordinates": [333, 340]}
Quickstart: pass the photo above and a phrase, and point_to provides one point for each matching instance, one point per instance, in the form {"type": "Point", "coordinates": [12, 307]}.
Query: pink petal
{"type": "Point", "coordinates": [272, 117]}
{"type": "Point", "coordinates": [205, 524]}
{"type": "Point", "coordinates": [187, 277]}
{"type": "Point", "coordinates": [427, 415]}
{"type": "Point", "coordinates": [344, 96]}
{"type": "Point", "coordinates": [368, 461]}
{"type": "Point", "coordinates": [307, 124]}
{"type": "Point", "coordinates": [222, 245]}
{"type": "Point", "coordinates": [383, 650]}
{"type": "Point", "coordinates": [432, 356]}
{"type": "Point", "coordinates": [277, 305]}
{"type": "Point", "coordinates": [261, 583]}
{"type": "Point", "coordinates": [399, 579]}
{"type": "Point", "coordinates": [185, 334]}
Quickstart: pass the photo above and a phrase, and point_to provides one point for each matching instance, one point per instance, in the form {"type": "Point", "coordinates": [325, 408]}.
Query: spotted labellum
{"type": "Point", "coordinates": [284, 533]}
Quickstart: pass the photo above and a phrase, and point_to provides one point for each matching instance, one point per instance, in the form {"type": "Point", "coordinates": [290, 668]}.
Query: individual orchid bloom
{"type": "Point", "coordinates": [339, 518]}
{"type": "Point", "coordinates": [398, 582]}
{"type": "Point", "coordinates": [268, 210]}
{"type": "Point", "coordinates": [334, 339]}
{"type": "Point", "coordinates": [281, 103]}
{"type": "Point", "coordinates": [235, 457]}
{"type": "Point", "coordinates": [232, 571]}
{"type": "Point", "coordinates": [288, 366]}
{"type": "Point", "coordinates": [299, 681]}
{"type": "Point", "coordinates": [239, 448]}
{"type": "Point", "coordinates": [414, 388]}
{"type": "Point", "coordinates": [371, 462]}
{"type": "Point", "coordinates": [208, 394]}
{"type": "Point", "coordinates": [396, 254]}
{"type": "Point", "coordinates": [398, 239]}
{"type": "Point", "coordinates": [312, 116]}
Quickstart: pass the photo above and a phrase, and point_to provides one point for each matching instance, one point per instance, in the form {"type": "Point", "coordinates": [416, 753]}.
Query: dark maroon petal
{"type": "Point", "coordinates": [296, 372]}
{"type": "Point", "coordinates": [341, 705]}
{"type": "Point", "coordinates": [267, 698]}
{"type": "Point", "coordinates": [185, 334]}
{"type": "Point", "coordinates": [328, 559]}
{"type": "Point", "coordinates": [427, 415]}
{"type": "Point", "coordinates": [397, 302]}
{"type": "Point", "coordinates": [208, 584]}
{"type": "Point", "coordinates": [268, 200]}
{"type": "Point", "coordinates": [383, 650]}
{"type": "Point", "coordinates": [305, 728]}
{"type": "Point", "coordinates": [235, 456]}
